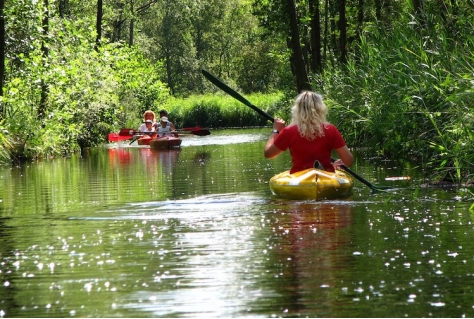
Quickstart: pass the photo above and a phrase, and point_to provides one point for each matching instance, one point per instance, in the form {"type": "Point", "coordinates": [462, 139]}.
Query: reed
{"type": "Point", "coordinates": [408, 96]}
{"type": "Point", "coordinates": [222, 111]}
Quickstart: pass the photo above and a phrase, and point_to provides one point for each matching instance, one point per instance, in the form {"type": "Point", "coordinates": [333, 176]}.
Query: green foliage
{"type": "Point", "coordinates": [405, 92]}
{"type": "Point", "coordinates": [5, 144]}
{"type": "Point", "coordinates": [409, 96]}
{"type": "Point", "coordinates": [221, 36]}
{"type": "Point", "coordinates": [89, 93]}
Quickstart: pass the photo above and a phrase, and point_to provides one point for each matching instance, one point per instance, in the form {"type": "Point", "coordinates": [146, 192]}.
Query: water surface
{"type": "Point", "coordinates": [125, 231]}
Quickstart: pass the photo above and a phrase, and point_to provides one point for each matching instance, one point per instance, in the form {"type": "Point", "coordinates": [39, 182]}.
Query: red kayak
{"type": "Point", "coordinates": [165, 143]}
{"type": "Point", "coordinates": [145, 139]}
{"type": "Point", "coordinates": [116, 137]}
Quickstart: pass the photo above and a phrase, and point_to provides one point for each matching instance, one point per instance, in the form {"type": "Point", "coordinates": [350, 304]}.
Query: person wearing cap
{"type": "Point", "coordinates": [165, 127]}
{"type": "Point", "coordinates": [163, 112]}
{"type": "Point", "coordinates": [147, 127]}
{"type": "Point", "coordinates": [149, 115]}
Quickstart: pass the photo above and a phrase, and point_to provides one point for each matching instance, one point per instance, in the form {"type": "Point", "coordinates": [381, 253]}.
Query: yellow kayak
{"type": "Point", "coordinates": [311, 183]}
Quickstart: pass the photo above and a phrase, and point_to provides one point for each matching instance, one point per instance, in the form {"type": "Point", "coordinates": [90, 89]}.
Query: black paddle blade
{"type": "Point", "coordinates": [201, 132]}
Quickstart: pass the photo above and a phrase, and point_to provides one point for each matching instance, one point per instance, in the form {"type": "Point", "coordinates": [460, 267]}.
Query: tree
{"type": "Point", "coordinates": [342, 26]}
{"type": "Point", "coordinates": [44, 53]}
{"type": "Point", "coordinates": [98, 24]}
{"type": "Point", "coordinates": [297, 61]}
{"type": "Point", "coordinates": [316, 45]}
{"type": "Point", "coordinates": [2, 50]}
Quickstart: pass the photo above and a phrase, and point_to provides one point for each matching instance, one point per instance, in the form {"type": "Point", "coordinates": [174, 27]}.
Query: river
{"type": "Point", "coordinates": [125, 231]}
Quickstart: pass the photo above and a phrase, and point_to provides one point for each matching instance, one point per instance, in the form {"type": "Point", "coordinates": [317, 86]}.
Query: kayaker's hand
{"type": "Point", "coordinates": [278, 124]}
{"type": "Point", "coordinates": [337, 164]}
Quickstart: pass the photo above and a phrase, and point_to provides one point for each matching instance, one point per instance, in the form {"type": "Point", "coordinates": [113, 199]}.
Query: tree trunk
{"type": "Point", "coordinates": [62, 8]}
{"type": "Point", "coordinates": [169, 72]}
{"type": "Point", "coordinates": [342, 24]}
{"type": "Point", "coordinates": [167, 35]}
{"type": "Point", "coordinates": [44, 52]}
{"type": "Point", "coordinates": [333, 30]}
{"type": "Point", "coordinates": [98, 24]}
{"type": "Point", "coordinates": [378, 10]}
{"type": "Point", "coordinates": [297, 61]}
{"type": "Point", "coordinates": [316, 59]}
{"type": "Point", "coordinates": [326, 29]}
{"type": "Point", "coordinates": [132, 24]}
{"type": "Point", "coordinates": [2, 51]}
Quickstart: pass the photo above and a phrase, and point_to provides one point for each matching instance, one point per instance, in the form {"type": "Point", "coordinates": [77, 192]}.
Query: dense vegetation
{"type": "Point", "coordinates": [398, 75]}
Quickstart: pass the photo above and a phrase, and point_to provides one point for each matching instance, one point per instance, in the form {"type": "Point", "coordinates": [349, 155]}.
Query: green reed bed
{"type": "Point", "coordinates": [220, 110]}
{"type": "Point", "coordinates": [410, 96]}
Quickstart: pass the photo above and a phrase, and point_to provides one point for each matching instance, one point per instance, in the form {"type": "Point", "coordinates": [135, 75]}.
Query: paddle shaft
{"type": "Point", "coordinates": [199, 132]}
{"type": "Point", "coordinates": [132, 132]}
{"type": "Point", "coordinates": [371, 186]}
{"type": "Point", "coordinates": [239, 97]}
{"type": "Point", "coordinates": [224, 87]}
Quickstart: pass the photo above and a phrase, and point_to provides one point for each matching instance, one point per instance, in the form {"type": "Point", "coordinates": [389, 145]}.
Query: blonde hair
{"type": "Point", "coordinates": [148, 112]}
{"type": "Point", "coordinates": [309, 114]}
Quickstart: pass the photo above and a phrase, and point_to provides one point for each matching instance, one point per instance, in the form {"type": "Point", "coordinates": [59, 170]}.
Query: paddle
{"type": "Point", "coordinates": [199, 132]}
{"type": "Point", "coordinates": [132, 132]}
{"type": "Point", "coordinates": [190, 128]}
{"type": "Point", "coordinates": [114, 137]}
{"type": "Point", "coordinates": [224, 87]}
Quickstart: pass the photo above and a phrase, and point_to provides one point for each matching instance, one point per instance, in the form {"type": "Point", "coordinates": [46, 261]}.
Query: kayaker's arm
{"type": "Point", "coordinates": [345, 157]}
{"type": "Point", "coordinates": [271, 151]}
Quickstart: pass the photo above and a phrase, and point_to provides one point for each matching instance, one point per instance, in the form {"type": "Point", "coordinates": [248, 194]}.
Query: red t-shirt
{"type": "Point", "coordinates": [305, 152]}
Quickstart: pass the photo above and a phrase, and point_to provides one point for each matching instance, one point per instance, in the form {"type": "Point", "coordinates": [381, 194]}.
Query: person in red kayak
{"type": "Point", "coordinates": [165, 127]}
{"type": "Point", "coordinates": [309, 137]}
{"type": "Point", "coordinates": [147, 127]}
{"type": "Point", "coordinates": [163, 112]}
{"type": "Point", "coordinates": [149, 115]}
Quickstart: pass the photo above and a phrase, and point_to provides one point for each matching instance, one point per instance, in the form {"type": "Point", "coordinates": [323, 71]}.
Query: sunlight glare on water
{"type": "Point", "coordinates": [199, 258]}
{"type": "Point", "coordinates": [127, 231]}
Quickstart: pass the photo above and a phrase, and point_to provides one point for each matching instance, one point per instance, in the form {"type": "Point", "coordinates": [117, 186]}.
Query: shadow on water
{"type": "Point", "coordinates": [133, 232]}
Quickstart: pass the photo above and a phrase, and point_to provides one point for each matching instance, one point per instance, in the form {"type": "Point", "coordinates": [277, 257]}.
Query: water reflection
{"type": "Point", "coordinates": [308, 255]}
{"type": "Point", "coordinates": [166, 160]}
{"type": "Point", "coordinates": [119, 156]}
{"type": "Point", "coordinates": [132, 232]}
{"type": "Point", "coordinates": [198, 249]}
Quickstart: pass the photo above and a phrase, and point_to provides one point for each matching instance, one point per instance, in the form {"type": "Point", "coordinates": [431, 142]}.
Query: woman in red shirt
{"type": "Point", "coordinates": [309, 137]}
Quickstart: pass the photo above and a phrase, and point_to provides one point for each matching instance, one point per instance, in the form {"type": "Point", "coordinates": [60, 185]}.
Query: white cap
{"type": "Point", "coordinates": [164, 119]}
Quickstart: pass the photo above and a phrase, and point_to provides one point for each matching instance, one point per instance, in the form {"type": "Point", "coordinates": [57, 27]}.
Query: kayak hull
{"type": "Point", "coordinates": [145, 139]}
{"type": "Point", "coordinates": [314, 184]}
{"type": "Point", "coordinates": [165, 142]}
{"type": "Point", "coordinates": [115, 137]}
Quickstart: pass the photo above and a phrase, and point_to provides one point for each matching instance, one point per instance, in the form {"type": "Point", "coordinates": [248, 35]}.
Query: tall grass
{"type": "Point", "coordinates": [409, 95]}
{"type": "Point", "coordinates": [220, 110]}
